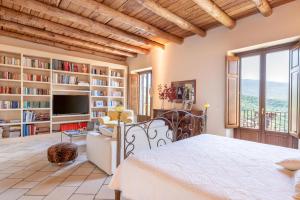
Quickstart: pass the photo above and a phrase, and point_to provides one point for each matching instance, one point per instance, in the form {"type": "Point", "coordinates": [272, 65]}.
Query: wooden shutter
{"type": "Point", "coordinates": [134, 92]}
{"type": "Point", "coordinates": [294, 91]}
{"type": "Point", "coordinates": [232, 99]}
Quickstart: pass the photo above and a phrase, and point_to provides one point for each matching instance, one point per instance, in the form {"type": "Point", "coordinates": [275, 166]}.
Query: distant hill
{"type": "Point", "coordinates": [275, 90]}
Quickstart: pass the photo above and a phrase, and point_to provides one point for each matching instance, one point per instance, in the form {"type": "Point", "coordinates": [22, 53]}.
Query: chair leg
{"type": "Point", "coordinates": [117, 195]}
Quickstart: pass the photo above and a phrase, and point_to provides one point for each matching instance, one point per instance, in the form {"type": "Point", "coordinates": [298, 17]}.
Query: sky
{"type": "Point", "coordinates": [277, 64]}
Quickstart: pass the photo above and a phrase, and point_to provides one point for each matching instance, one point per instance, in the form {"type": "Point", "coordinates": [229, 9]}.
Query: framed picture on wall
{"type": "Point", "coordinates": [185, 90]}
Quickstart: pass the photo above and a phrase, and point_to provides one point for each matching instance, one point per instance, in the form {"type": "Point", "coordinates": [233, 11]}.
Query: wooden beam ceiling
{"type": "Point", "coordinates": [60, 38]}
{"type": "Point", "coordinates": [264, 7]}
{"type": "Point", "coordinates": [165, 13]}
{"type": "Point", "coordinates": [29, 20]}
{"type": "Point", "coordinates": [120, 17]}
{"type": "Point", "coordinates": [74, 18]}
{"type": "Point", "coordinates": [103, 56]}
{"type": "Point", "coordinates": [216, 12]}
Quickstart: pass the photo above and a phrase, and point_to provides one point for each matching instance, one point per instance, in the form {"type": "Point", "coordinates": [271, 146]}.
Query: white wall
{"type": "Point", "coordinates": [204, 58]}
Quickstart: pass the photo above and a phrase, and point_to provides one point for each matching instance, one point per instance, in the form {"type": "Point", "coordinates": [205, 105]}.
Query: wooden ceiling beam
{"type": "Point", "coordinates": [264, 7]}
{"type": "Point", "coordinates": [29, 20]}
{"type": "Point", "coordinates": [104, 56]}
{"type": "Point", "coordinates": [94, 26]}
{"type": "Point", "coordinates": [216, 12]}
{"type": "Point", "coordinates": [120, 17]}
{"type": "Point", "coordinates": [168, 15]}
{"type": "Point", "coordinates": [60, 38]}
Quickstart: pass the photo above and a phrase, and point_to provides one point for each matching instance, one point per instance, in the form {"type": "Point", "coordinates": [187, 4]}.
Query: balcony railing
{"type": "Point", "coordinates": [274, 121]}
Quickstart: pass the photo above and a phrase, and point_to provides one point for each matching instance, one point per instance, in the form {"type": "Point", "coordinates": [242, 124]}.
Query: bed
{"type": "Point", "coordinates": [206, 167]}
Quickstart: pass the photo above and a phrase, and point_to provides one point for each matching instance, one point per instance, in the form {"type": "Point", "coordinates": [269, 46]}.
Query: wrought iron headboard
{"type": "Point", "coordinates": [181, 124]}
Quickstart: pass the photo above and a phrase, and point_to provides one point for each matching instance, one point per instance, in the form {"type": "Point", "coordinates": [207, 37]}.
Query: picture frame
{"type": "Point", "coordinates": [185, 91]}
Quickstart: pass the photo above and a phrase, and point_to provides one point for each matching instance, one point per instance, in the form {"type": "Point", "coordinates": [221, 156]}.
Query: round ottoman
{"type": "Point", "coordinates": [62, 153]}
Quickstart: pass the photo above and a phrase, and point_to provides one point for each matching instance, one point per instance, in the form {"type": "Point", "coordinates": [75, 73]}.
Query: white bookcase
{"type": "Point", "coordinates": [109, 82]}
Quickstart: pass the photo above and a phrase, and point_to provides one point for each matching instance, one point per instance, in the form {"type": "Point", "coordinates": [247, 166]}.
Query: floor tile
{"type": "Point", "coordinates": [7, 183]}
{"type": "Point", "coordinates": [4, 175]}
{"type": "Point", "coordinates": [83, 171]}
{"type": "Point", "coordinates": [38, 176]}
{"type": "Point", "coordinates": [74, 181]}
{"type": "Point", "coordinates": [105, 193]}
{"type": "Point", "coordinates": [92, 184]}
{"type": "Point", "coordinates": [61, 193]}
{"type": "Point", "coordinates": [31, 198]}
{"type": "Point", "coordinates": [45, 187]}
{"type": "Point", "coordinates": [25, 184]}
{"type": "Point", "coordinates": [81, 197]}
{"type": "Point", "coordinates": [12, 194]}
{"type": "Point", "coordinates": [22, 174]}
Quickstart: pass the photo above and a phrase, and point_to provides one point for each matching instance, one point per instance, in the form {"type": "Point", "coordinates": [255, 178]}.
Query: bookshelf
{"type": "Point", "coordinates": [28, 83]}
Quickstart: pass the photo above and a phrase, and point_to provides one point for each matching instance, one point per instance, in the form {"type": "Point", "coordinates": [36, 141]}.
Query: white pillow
{"type": "Point", "coordinates": [290, 163]}
{"type": "Point", "coordinates": [297, 185]}
{"type": "Point", "coordinates": [106, 131]}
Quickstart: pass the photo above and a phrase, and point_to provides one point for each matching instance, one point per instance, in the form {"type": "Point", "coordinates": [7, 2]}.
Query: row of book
{"type": "Point", "coordinates": [36, 63]}
{"type": "Point", "coordinates": [36, 77]}
{"type": "Point", "coordinates": [116, 94]}
{"type": "Point", "coordinates": [31, 116]}
{"type": "Point", "coordinates": [64, 79]}
{"type": "Point", "coordinates": [10, 60]}
{"type": "Point", "coordinates": [36, 91]}
{"type": "Point", "coordinates": [3, 121]}
{"type": "Point", "coordinates": [9, 104]}
{"type": "Point", "coordinates": [99, 82]}
{"type": "Point", "coordinates": [98, 93]}
{"type": "Point", "coordinates": [99, 103]}
{"type": "Point", "coordinates": [115, 83]}
{"type": "Point", "coordinates": [9, 75]}
{"type": "Point", "coordinates": [36, 104]}
{"type": "Point", "coordinates": [11, 131]}
{"type": "Point", "coordinates": [32, 129]}
{"type": "Point", "coordinates": [99, 71]}
{"type": "Point", "coordinates": [69, 66]}
{"type": "Point", "coordinates": [10, 90]}
{"type": "Point", "coordinates": [115, 74]}
{"type": "Point", "coordinates": [98, 114]}
{"type": "Point", "coordinates": [114, 103]}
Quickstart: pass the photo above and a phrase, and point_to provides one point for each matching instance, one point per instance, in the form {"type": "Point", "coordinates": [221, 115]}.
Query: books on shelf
{"type": "Point", "coordinates": [114, 83]}
{"type": "Point", "coordinates": [99, 71]}
{"type": "Point", "coordinates": [36, 104]}
{"type": "Point", "coordinates": [10, 90]}
{"type": "Point", "coordinates": [98, 114]}
{"type": "Point", "coordinates": [115, 74]}
{"type": "Point", "coordinates": [36, 91]}
{"type": "Point", "coordinates": [98, 93]}
{"type": "Point", "coordinates": [36, 77]}
{"type": "Point", "coordinates": [64, 79]}
{"type": "Point", "coordinates": [31, 116]}
{"type": "Point", "coordinates": [99, 104]}
{"type": "Point", "coordinates": [9, 75]}
{"type": "Point", "coordinates": [69, 66]}
{"type": "Point", "coordinates": [11, 131]}
{"type": "Point", "coordinates": [36, 63]}
{"type": "Point", "coordinates": [99, 82]}
{"type": "Point", "coordinates": [114, 103]}
{"type": "Point", "coordinates": [116, 93]}
{"type": "Point", "coordinates": [10, 60]}
{"type": "Point", "coordinates": [9, 104]}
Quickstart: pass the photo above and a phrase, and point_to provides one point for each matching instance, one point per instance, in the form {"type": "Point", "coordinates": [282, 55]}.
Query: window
{"type": "Point", "coordinates": [145, 81]}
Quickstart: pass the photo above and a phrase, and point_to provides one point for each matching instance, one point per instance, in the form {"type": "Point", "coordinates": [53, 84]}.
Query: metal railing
{"type": "Point", "coordinates": [274, 121]}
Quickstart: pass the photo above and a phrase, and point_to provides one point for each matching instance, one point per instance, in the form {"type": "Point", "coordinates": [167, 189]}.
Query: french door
{"type": "Point", "coordinates": [264, 97]}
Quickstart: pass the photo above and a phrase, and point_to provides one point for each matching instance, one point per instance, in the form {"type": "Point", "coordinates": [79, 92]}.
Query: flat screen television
{"type": "Point", "coordinates": [70, 104]}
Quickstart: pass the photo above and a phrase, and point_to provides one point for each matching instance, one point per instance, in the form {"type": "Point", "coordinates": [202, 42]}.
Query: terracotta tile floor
{"type": "Point", "coordinates": [26, 174]}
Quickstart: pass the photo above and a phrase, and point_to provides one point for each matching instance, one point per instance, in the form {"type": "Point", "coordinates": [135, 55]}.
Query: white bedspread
{"type": "Point", "coordinates": [207, 167]}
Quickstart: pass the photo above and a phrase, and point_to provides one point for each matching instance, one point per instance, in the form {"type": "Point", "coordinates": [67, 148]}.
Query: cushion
{"type": "Point", "coordinates": [297, 185]}
{"type": "Point", "coordinates": [290, 164]}
{"type": "Point", "coordinates": [106, 131]}
{"type": "Point", "coordinates": [113, 115]}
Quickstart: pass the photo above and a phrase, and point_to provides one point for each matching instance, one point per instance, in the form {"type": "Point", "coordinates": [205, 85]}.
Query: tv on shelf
{"type": "Point", "coordinates": [70, 104]}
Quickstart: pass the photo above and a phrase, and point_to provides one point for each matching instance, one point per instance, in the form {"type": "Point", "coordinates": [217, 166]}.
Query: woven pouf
{"type": "Point", "coordinates": [62, 153]}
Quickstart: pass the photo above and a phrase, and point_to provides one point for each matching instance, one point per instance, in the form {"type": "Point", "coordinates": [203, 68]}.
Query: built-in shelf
{"type": "Point", "coordinates": [103, 107]}
{"type": "Point", "coordinates": [10, 124]}
{"type": "Point", "coordinates": [71, 121]}
{"type": "Point", "coordinates": [10, 109]}
{"type": "Point", "coordinates": [11, 95]}
{"type": "Point", "coordinates": [68, 72]}
{"type": "Point", "coordinates": [37, 122]}
{"type": "Point", "coordinates": [116, 77]}
{"type": "Point", "coordinates": [36, 109]}
{"type": "Point", "coordinates": [98, 75]}
{"type": "Point", "coordinates": [70, 85]}
{"type": "Point", "coordinates": [116, 87]}
{"type": "Point", "coordinates": [10, 80]}
{"type": "Point", "coordinates": [75, 115]}
{"type": "Point", "coordinates": [100, 86]}
{"type": "Point", "coordinates": [38, 82]}
{"type": "Point", "coordinates": [11, 66]}
{"type": "Point", "coordinates": [36, 95]}
{"type": "Point", "coordinates": [72, 91]}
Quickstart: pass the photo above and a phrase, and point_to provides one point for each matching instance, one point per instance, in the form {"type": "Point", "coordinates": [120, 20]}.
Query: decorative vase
{"type": "Point", "coordinates": [84, 69]}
